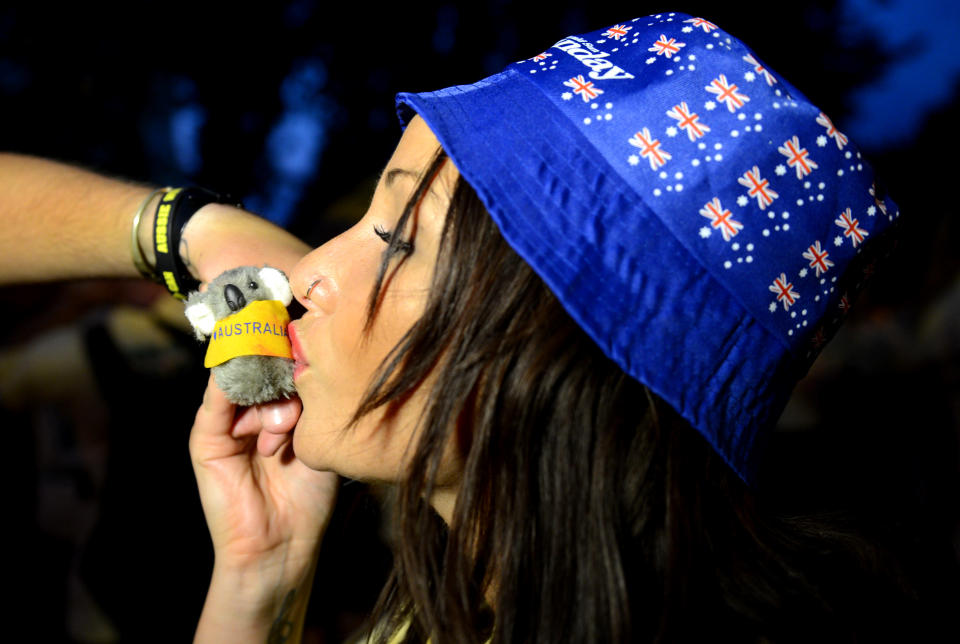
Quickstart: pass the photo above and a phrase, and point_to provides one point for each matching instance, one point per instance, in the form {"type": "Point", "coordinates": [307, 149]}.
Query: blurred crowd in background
{"type": "Point", "coordinates": [289, 107]}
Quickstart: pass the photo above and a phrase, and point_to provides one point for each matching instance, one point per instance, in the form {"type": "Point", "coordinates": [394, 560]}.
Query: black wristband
{"type": "Point", "coordinates": [173, 213]}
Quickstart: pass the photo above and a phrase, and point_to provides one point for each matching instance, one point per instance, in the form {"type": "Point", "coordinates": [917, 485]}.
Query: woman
{"type": "Point", "coordinates": [574, 307]}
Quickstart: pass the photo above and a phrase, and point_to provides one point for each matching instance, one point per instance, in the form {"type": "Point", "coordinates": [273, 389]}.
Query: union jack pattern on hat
{"type": "Point", "coordinates": [702, 221]}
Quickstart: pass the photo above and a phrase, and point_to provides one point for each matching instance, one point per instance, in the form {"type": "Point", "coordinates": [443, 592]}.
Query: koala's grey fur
{"type": "Point", "coordinates": [246, 380]}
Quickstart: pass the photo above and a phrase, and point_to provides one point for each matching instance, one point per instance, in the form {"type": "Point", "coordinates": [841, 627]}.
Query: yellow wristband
{"type": "Point", "coordinates": [258, 329]}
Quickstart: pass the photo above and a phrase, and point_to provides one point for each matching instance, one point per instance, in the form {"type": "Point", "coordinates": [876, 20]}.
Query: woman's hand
{"type": "Point", "coordinates": [266, 512]}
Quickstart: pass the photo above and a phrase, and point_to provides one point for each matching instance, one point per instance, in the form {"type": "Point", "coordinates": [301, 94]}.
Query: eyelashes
{"type": "Point", "coordinates": [404, 247]}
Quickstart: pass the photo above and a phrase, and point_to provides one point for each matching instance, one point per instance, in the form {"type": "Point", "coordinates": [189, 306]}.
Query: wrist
{"type": "Point", "coordinates": [148, 218]}
{"type": "Point", "coordinates": [148, 221]}
{"type": "Point", "coordinates": [284, 564]}
{"type": "Point", "coordinates": [252, 599]}
{"type": "Point", "coordinates": [160, 246]}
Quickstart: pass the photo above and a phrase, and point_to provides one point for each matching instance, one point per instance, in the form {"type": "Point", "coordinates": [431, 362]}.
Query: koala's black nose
{"type": "Point", "coordinates": [234, 297]}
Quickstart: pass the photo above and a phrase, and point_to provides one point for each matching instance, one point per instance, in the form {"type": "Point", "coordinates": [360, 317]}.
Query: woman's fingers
{"type": "Point", "coordinates": [277, 420]}
{"type": "Point", "coordinates": [280, 416]}
{"type": "Point", "coordinates": [216, 415]}
{"type": "Point", "coordinates": [269, 444]}
{"type": "Point", "coordinates": [247, 422]}
{"type": "Point", "coordinates": [211, 434]}
{"type": "Point", "coordinates": [216, 408]}
{"type": "Point", "coordinates": [275, 417]}
{"type": "Point", "coordinates": [220, 428]}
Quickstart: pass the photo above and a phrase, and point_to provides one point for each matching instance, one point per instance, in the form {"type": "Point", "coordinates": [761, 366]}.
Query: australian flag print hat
{"type": "Point", "coordinates": [698, 217]}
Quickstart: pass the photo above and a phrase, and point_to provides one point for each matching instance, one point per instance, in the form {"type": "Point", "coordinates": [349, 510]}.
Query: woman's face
{"type": "Point", "coordinates": [336, 359]}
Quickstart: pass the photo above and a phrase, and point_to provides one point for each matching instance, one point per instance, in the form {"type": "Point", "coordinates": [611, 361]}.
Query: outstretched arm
{"type": "Point", "coordinates": [61, 222]}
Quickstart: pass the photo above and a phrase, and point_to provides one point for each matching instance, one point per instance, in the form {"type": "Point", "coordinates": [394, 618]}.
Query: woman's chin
{"type": "Point", "coordinates": [301, 447]}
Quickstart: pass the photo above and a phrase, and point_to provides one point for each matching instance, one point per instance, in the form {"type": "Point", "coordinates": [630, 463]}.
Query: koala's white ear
{"type": "Point", "coordinates": [277, 284]}
{"type": "Point", "coordinates": [201, 317]}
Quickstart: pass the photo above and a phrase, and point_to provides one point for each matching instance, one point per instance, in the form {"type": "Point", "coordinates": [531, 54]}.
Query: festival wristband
{"type": "Point", "coordinates": [258, 329]}
{"type": "Point", "coordinates": [174, 211]}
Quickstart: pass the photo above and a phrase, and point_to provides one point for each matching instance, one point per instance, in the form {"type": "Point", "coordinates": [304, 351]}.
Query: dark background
{"type": "Point", "coordinates": [290, 107]}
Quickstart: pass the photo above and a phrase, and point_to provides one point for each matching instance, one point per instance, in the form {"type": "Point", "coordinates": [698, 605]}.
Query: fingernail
{"type": "Point", "coordinates": [275, 415]}
{"type": "Point", "coordinates": [278, 412]}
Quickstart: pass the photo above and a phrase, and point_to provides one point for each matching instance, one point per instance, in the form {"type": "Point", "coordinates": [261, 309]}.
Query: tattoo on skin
{"type": "Point", "coordinates": [282, 628]}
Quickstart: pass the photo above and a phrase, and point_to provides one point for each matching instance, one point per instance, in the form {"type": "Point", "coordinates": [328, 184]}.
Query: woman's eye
{"type": "Point", "coordinates": [402, 247]}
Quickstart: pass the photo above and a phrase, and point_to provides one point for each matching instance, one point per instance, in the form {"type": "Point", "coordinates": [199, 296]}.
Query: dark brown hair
{"type": "Point", "coordinates": [588, 509]}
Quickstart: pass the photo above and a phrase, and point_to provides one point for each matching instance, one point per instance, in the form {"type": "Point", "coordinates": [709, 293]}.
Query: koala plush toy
{"type": "Point", "coordinates": [243, 312]}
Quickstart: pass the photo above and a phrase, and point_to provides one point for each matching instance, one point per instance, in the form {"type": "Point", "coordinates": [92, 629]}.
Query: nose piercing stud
{"type": "Point", "coordinates": [310, 289]}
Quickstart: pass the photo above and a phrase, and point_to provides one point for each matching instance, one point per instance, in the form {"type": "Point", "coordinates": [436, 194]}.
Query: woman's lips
{"type": "Point", "coordinates": [299, 362]}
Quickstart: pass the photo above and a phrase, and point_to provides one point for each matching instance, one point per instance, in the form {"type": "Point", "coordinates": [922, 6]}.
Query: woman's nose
{"type": "Point", "coordinates": [312, 285]}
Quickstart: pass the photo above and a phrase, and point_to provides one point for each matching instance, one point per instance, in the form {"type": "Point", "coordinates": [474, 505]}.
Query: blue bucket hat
{"type": "Point", "coordinates": [696, 215]}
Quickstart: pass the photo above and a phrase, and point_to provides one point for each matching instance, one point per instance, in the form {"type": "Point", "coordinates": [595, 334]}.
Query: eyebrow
{"type": "Point", "coordinates": [390, 178]}
{"type": "Point", "coordinates": [395, 173]}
